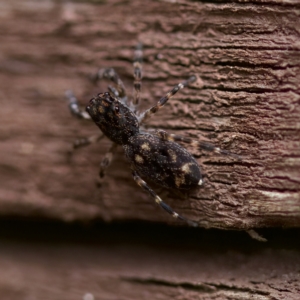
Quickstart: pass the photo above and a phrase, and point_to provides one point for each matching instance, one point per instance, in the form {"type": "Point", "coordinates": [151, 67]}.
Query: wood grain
{"type": "Point", "coordinates": [246, 100]}
{"type": "Point", "coordinates": [246, 55]}
{"type": "Point", "coordinates": [55, 261]}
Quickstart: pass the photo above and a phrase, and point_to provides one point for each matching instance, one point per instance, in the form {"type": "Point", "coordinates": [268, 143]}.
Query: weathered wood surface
{"type": "Point", "coordinates": [58, 262]}
{"type": "Point", "coordinates": [247, 101]}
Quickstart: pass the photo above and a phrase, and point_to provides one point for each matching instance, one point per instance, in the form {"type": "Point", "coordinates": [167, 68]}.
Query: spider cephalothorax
{"type": "Point", "coordinates": [154, 155]}
{"type": "Point", "coordinates": [113, 117]}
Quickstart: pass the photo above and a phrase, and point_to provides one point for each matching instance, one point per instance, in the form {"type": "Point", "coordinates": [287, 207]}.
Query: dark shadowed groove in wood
{"type": "Point", "coordinates": [51, 260]}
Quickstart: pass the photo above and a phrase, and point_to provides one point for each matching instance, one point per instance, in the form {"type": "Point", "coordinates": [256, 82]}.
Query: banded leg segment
{"type": "Point", "coordinates": [144, 116]}
{"type": "Point", "coordinates": [113, 91]}
{"type": "Point", "coordinates": [107, 159]}
{"type": "Point", "coordinates": [74, 107]}
{"type": "Point", "coordinates": [82, 142]}
{"type": "Point", "coordinates": [110, 74]}
{"type": "Point", "coordinates": [163, 135]}
{"type": "Point", "coordinates": [159, 201]}
{"type": "Point", "coordinates": [137, 74]}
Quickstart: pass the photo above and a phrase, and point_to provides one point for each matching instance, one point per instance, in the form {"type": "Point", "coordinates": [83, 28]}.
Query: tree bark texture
{"type": "Point", "coordinates": [246, 100]}
{"type": "Point", "coordinates": [246, 56]}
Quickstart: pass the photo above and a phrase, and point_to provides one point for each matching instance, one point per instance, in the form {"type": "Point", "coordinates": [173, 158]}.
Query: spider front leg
{"type": "Point", "coordinates": [81, 114]}
{"type": "Point", "coordinates": [74, 107]}
{"type": "Point", "coordinates": [85, 141]}
{"type": "Point", "coordinates": [137, 74]}
{"type": "Point", "coordinates": [163, 135]}
{"type": "Point", "coordinates": [111, 74]}
{"type": "Point", "coordinates": [144, 116]}
{"type": "Point", "coordinates": [159, 201]}
{"type": "Point", "coordinates": [107, 159]}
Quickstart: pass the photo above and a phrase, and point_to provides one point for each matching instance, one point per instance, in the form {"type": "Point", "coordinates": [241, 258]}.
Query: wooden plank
{"type": "Point", "coordinates": [246, 100]}
{"type": "Point", "coordinates": [55, 261]}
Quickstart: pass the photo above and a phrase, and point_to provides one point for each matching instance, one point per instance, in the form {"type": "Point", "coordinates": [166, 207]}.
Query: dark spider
{"type": "Point", "coordinates": [155, 156]}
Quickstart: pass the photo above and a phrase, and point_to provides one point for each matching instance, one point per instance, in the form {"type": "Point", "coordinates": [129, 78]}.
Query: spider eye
{"type": "Point", "coordinates": [117, 109]}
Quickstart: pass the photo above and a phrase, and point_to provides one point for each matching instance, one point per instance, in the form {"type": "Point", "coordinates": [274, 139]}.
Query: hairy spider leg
{"type": "Point", "coordinates": [113, 91]}
{"type": "Point", "coordinates": [74, 107]}
{"type": "Point", "coordinates": [165, 136]}
{"type": "Point", "coordinates": [159, 201]}
{"type": "Point", "coordinates": [81, 114]}
{"type": "Point", "coordinates": [85, 141]}
{"type": "Point", "coordinates": [137, 74]}
{"type": "Point", "coordinates": [111, 74]}
{"type": "Point", "coordinates": [107, 159]}
{"type": "Point", "coordinates": [162, 101]}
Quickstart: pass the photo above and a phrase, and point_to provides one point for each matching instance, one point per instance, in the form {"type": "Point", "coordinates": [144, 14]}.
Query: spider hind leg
{"type": "Point", "coordinates": [203, 145]}
{"type": "Point", "coordinates": [140, 182]}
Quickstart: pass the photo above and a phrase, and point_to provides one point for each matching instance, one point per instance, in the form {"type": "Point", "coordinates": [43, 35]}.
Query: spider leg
{"type": "Point", "coordinates": [85, 141]}
{"type": "Point", "coordinates": [81, 114]}
{"type": "Point", "coordinates": [111, 74]}
{"type": "Point", "coordinates": [163, 135]}
{"type": "Point", "coordinates": [113, 91]}
{"type": "Point", "coordinates": [159, 201]}
{"type": "Point", "coordinates": [74, 107]}
{"type": "Point", "coordinates": [137, 73]}
{"type": "Point", "coordinates": [107, 159]}
{"type": "Point", "coordinates": [164, 99]}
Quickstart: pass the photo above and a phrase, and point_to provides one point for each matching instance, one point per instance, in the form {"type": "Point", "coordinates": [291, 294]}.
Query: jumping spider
{"type": "Point", "coordinates": [156, 155]}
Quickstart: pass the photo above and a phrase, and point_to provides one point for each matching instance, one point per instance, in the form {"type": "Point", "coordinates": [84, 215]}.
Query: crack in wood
{"type": "Point", "coordinates": [203, 287]}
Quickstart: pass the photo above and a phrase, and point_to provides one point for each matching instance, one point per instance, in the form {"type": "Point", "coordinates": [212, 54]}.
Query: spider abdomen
{"type": "Point", "coordinates": [164, 162]}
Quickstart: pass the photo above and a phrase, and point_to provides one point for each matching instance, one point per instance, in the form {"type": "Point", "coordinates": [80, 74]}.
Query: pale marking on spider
{"type": "Point", "coordinates": [186, 168]}
{"type": "Point", "coordinates": [146, 147]}
{"type": "Point", "coordinates": [138, 159]}
{"type": "Point", "coordinates": [156, 156]}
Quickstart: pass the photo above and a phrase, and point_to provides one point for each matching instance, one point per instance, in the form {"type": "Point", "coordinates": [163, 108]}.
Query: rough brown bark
{"type": "Point", "coordinates": [247, 101]}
